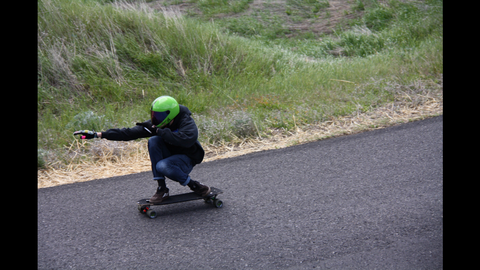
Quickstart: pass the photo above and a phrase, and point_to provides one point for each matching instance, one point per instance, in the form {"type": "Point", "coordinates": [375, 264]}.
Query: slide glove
{"type": "Point", "coordinates": [148, 127]}
{"type": "Point", "coordinates": [86, 134]}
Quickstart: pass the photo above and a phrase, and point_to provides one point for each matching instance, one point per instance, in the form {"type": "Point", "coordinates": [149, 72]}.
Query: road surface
{"type": "Point", "coordinates": [364, 201]}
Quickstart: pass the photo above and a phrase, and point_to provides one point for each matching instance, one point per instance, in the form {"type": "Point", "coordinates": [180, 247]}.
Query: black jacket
{"type": "Point", "coordinates": [181, 137]}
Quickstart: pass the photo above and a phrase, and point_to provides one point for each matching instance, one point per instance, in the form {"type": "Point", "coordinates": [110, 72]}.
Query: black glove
{"type": "Point", "coordinates": [86, 134]}
{"type": "Point", "coordinates": [147, 125]}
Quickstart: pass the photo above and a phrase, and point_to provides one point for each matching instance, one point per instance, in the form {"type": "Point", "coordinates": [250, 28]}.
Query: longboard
{"type": "Point", "coordinates": [144, 205]}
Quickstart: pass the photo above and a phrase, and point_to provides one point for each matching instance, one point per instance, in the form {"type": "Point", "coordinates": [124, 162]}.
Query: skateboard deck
{"type": "Point", "coordinates": [144, 205]}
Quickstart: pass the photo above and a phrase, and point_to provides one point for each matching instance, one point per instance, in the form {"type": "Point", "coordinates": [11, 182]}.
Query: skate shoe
{"type": "Point", "coordinates": [199, 188]}
{"type": "Point", "coordinates": [160, 195]}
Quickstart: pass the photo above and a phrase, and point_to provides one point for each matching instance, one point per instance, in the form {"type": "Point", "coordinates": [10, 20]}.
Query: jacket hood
{"type": "Point", "coordinates": [184, 111]}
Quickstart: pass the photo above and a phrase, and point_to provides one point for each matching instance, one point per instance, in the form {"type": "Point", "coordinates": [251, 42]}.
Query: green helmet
{"type": "Point", "coordinates": [163, 110]}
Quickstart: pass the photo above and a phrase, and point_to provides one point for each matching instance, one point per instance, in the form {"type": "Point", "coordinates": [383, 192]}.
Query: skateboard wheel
{"type": "Point", "coordinates": [151, 213]}
{"type": "Point", "coordinates": [217, 203]}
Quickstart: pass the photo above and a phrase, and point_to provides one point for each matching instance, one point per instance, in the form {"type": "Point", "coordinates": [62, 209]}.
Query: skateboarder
{"type": "Point", "coordinates": [173, 147]}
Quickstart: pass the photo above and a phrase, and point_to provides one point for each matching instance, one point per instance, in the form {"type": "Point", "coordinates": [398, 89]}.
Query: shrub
{"type": "Point", "coordinates": [242, 124]}
{"type": "Point", "coordinates": [87, 120]}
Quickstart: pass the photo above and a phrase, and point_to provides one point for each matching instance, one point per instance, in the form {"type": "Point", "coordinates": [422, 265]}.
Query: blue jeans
{"type": "Point", "coordinates": [164, 164]}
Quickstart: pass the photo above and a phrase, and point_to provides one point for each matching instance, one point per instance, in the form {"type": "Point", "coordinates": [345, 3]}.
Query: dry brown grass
{"type": "Point", "coordinates": [110, 158]}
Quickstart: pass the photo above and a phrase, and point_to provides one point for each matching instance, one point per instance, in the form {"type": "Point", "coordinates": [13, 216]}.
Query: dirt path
{"type": "Point", "coordinates": [296, 16]}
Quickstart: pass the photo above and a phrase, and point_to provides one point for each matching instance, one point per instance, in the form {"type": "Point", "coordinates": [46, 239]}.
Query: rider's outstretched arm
{"type": "Point", "coordinates": [119, 134]}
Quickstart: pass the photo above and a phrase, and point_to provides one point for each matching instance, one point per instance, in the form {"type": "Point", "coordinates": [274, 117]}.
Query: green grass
{"type": "Point", "coordinates": [305, 8]}
{"type": "Point", "coordinates": [212, 7]}
{"type": "Point", "coordinates": [101, 64]}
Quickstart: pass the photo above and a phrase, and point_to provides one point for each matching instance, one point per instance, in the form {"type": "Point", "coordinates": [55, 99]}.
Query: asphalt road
{"type": "Point", "coordinates": [364, 201]}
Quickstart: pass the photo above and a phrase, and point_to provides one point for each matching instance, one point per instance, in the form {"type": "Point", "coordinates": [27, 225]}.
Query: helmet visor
{"type": "Point", "coordinates": [158, 117]}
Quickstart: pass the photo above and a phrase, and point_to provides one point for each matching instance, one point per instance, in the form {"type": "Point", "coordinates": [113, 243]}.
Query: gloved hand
{"type": "Point", "coordinates": [147, 125]}
{"type": "Point", "coordinates": [86, 134]}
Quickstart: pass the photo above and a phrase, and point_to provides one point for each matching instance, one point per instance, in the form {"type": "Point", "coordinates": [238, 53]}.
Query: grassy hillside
{"type": "Point", "coordinates": [101, 63]}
